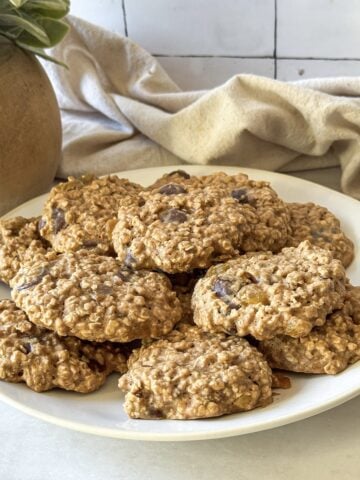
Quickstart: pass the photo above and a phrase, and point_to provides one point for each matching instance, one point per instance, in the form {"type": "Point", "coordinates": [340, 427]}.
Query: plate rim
{"type": "Point", "coordinates": [224, 432]}
{"type": "Point", "coordinates": [178, 436]}
{"type": "Point", "coordinates": [214, 168]}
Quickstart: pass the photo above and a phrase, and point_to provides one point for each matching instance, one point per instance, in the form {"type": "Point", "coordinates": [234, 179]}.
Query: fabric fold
{"type": "Point", "coordinates": [121, 110]}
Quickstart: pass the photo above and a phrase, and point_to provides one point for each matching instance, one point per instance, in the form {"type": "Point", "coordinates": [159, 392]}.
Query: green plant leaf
{"type": "Point", "coordinates": [55, 29]}
{"type": "Point", "coordinates": [27, 39]}
{"type": "Point", "coordinates": [40, 53]}
{"type": "Point", "coordinates": [29, 26]}
{"type": "Point", "coordinates": [18, 3]}
{"type": "Point", "coordinates": [11, 33]}
{"type": "Point", "coordinates": [34, 25]}
{"type": "Point", "coordinates": [48, 8]}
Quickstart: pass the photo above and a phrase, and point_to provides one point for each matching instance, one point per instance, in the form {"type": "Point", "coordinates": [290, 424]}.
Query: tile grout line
{"type": "Point", "coordinates": [326, 59]}
{"type": "Point", "coordinates": [124, 16]}
{"type": "Point", "coordinates": [266, 57]}
{"type": "Point", "coordinates": [275, 39]}
{"type": "Point", "coordinates": [163, 55]}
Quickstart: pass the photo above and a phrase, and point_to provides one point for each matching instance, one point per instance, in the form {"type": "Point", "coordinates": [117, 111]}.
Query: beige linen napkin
{"type": "Point", "coordinates": [120, 110]}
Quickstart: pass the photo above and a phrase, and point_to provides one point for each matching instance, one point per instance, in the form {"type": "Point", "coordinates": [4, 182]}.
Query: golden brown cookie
{"type": "Point", "coordinates": [267, 215]}
{"type": "Point", "coordinates": [194, 374]}
{"type": "Point", "coordinates": [329, 348]}
{"type": "Point", "coordinates": [316, 224]}
{"type": "Point", "coordinates": [92, 297]}
{"type": "Point", "coordinates": [264, 295]}
{"type": "Point", "coordinates": [178, 229]}
{"type": "Point", "coordinates": [19, 240]}
{"type": "Point", "coordinates": [43, 360]}
{"type": "Point", "coordinates": [81, 212]}
{"type": "Point", "coordinates": [200, 221]}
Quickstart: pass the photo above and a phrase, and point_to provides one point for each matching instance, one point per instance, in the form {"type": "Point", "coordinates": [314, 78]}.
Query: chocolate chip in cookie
{"type": "Point", "coordinates": [172, 189]}
{"type": "Point", "coordinates": [173, 215]}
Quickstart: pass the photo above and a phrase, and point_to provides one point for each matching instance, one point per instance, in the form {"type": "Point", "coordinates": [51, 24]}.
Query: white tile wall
{"type": "Point", "coordinates": [202, 73]}
{"type": "Point", "coordinates": [300, 69]}
{"type": "Point", "coordinates": [203, 27]}
{"type": "Point", "coordinates": [106, 13]}
{"type": "Point", "coordinates": [318, 28]}
{"type": "Point", "coordinates": [205, 42]}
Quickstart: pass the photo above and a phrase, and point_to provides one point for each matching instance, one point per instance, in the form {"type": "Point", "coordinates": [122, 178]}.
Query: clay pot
{"type": "Point", "coordinates": [30, 128]}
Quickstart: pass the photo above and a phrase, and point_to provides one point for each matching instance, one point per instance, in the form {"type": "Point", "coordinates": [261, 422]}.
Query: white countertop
{"type": "Point", "coordinates": [323, 447]}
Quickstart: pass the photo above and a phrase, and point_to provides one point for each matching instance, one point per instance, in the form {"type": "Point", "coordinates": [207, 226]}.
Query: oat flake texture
{"type": "Point", "coordinates": [194, 222]}
{"type": "Point", "coordinates": [43, 360]}
{"type": "Point", "coordinates": [316, 224]}
{"type": "Point", "coordinates": [195, 374]}
{"type": "Point", "coordinates": [265, 295]}
{"type": "Point", "coordinates": [327, 349]}
{"type": "Point", "coordinates": [94, 298]}
{"type": "Point", "coordinates": [81, 212]}
{"type": "Point", "coordinates": [19, 240]}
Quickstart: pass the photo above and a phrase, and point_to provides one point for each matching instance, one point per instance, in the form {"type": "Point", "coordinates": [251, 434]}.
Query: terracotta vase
{"type": "Point", "coordinates": [30, 128]}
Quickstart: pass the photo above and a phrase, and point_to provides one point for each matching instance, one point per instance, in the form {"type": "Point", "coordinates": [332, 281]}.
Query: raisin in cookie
{"type": "Point", "coordinates": [194, 374]}
{"type": "Point", "coordinates": [81, 212]}
{"type": "Point", "coordinates": [93, 298]}
{"type": "Point", "coordinates": [265, 295]}
{"type": "Point", "coordinates": [267, 215]}
{"type": "Point", "coordinates": [316, 224]}
{"type": "Point", "coordinates": [327, 349]}
{"type": "Point", "coordinates": [19, 240]}
{"type": "Point", "coordinates": [43, 360]}
{"type": "Point", "coordinates": [177, 228]}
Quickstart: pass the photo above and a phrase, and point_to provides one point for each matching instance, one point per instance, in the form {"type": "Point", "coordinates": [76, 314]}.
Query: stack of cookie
{"type": "Point", "coordinates": [193, 288]}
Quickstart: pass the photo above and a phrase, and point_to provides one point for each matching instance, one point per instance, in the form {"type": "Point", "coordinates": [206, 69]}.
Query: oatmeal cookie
{"type": "Point", "coordinates": [19, 240]}
{"type": "Point", "coordinates": [267, 215]}
{"type": "Point", "coordinates": [264, 295]}
{"type": "Point", "coordinates": [316, 224]}
{"type": "Point", "coordinates": [178, 229]}
{"type": "Point", "coordinates": [92, 297]}
{"type": "Point", "coordinates": [81, 212]}
{"type": "Point", "coordinates": [327, 349]}
{"type": "Point", "coordinates": [194, 374]}
{"type": "Point", "coordinates": [198, 222]}
{"type": "Point", "coordinates": [43, 360]}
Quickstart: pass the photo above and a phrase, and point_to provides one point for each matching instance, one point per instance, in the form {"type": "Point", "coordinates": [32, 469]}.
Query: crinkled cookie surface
{"type": "Point", "coordinates": [94, 298]}
{"type": "Point", "coordinates": [43, 360]}
{"type": "Point", "coordinates": [19, 240]}
{"type": "Point", "coordinates": [194, 374]}
{"type": "Point", "coordinates": [265, 295]}
{"type": "Point", "coordinates": [326, 349]}
{"type": "Point", "coordinates": [267, 215]}
{"type": "Point", "coordinates": [316, 224]}
{"type": "Point", "coordinates": [178, 227]}
{"type": "Point", "coordinates": [81, 212]}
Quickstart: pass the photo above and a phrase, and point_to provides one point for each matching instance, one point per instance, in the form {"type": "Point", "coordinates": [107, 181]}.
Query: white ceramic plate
{"type": "Point", "coordinates": [101, 412]}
